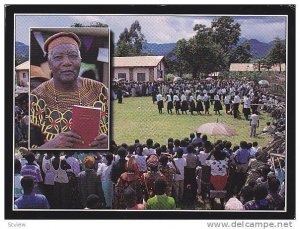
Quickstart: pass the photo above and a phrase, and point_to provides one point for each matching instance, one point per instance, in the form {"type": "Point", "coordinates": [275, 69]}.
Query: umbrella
{"type": "Point", "coordinates": [160, 79]}
{"type": "Point", "coordinates": [209, 78]}
{"type": "Point", "coordinates": [263, 82]}
{"type": "Point", "coordinates": [177, 78]}
{"type": "Point", "coordinates": [215, 128]}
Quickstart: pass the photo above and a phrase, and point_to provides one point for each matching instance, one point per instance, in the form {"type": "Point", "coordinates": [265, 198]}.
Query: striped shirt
{"type": "Point", "coordinates": [32, 170]}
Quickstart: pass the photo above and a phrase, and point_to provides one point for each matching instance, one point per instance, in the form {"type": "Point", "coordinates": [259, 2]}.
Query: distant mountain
{"type": "Point", "coordinates": [158, 49]}
{"type": "Point", "coordinates": [22, 53]}
{"type": "Point", "coordinates": [257, 48]}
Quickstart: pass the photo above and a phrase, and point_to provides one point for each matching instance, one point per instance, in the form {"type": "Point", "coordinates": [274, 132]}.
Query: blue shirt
{"type": "Point", "coordinates": [32, 201]}
{"type": "Point", "coordinates": [242, 156]}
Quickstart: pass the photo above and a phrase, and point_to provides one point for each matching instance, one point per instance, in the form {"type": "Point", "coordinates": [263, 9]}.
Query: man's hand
{"type": "Point", "coordinates": [63, 140]}
{"type": "Point", "coordinates": [100, 142]}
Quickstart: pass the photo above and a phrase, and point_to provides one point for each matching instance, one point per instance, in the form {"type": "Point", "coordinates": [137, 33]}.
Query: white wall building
{"type": "Point", "coordinates": [139, 68]}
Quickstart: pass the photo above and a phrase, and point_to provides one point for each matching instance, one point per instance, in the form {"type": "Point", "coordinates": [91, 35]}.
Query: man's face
{"type": "Point", "coordinates": [64, 62]}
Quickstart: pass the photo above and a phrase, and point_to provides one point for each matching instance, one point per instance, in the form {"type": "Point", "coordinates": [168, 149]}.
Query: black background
{"type": "Point", "coordinates": [10, 10]}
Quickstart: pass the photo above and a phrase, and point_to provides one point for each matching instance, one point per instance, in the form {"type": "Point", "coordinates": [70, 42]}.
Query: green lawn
{"type": "Point", "coordinates": [138, 118]}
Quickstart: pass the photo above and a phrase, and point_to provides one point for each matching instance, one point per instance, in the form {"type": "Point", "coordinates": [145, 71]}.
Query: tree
{"type": "Point", "coordinates": [200, 54]}
{"type": "Point", "coordinates": [277, 54]}
{"type": "Point", "coordinates": [131, 41]}
{"type": "Point", "coordinates": [226, 33]}
{"type": "Point", "coordinates": [240, 53]}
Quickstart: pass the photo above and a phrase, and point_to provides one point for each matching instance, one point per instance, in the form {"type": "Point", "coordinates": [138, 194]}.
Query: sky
{"type": "Point", "coordinates": [156, 28]}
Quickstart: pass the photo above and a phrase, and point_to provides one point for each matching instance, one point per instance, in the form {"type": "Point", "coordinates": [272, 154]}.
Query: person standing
{"type": "Point", "coordinates": [236, 103]}
{"type": "Point", "coordinates": [254, 123]}
{"type": "Point", "coordinates": [119, 94]}
{"type": "Point", "coordinates": [184, 104]}
{"type": "Point", "coordinates": [160, 103]}
{"type": "Point", "coordinates": [176, 103]}
{"type": "Point", "coordinates": [18, 190]}
{"type": "Point", "coordinates": [179, 163]}
{"type": "Point", "coordinates": [227, 103]}
{"type": "Point", "coordinates": [192, 104]}
{"type": "Point", "coordinates": [246, 109]}
{"type": "Point", "coordinates": [49, 178]}
{"type": "Point", "coordinates": [160, 201]}
{"type": "Point", "coordinates": [61, 182]}
{"type": "Point", "coordinates": [169, 103]}
{"type": "Point", "coordinates": [104, 172]}
{"type": "Point", "coordinates": [30, 200]}
{"type": "Point", "coordinates": [88, 182]}
{"type": "Point", "coordinates": [217, 104]}
{"type": "Point", "coordinates": [32, 169]}
{"type": "Point", "coordinates": [206, 103]}
{"type": "Point", "coordinates": [199, 106]}
{"type": "Point", "coordinates": [154, 94]}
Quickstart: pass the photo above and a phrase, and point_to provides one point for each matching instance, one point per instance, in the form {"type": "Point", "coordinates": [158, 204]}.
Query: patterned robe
{"type": "Point", "coordinates": [51, 110]}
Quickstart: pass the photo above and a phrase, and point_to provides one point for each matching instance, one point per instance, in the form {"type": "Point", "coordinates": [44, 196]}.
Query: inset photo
{"type": "Point", "coordinates": [69, 85]}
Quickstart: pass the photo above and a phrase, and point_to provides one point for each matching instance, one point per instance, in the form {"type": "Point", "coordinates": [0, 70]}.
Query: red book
{"type": "Point", "coordinates": [86, 123]}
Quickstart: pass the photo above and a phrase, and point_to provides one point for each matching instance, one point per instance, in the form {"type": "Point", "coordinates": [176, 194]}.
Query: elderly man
{"type": "Point", "coordinates": [52, 102]}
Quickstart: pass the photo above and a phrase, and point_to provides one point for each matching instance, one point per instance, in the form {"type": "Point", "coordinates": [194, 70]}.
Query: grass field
{"type": "Point", "coordinates": [138, 118]}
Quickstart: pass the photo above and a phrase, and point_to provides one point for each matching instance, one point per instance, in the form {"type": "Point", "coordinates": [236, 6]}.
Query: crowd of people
{"type": "Point", "coordinates": [192, 173]}
{"type": "Point", "coordinates": [197, 96]}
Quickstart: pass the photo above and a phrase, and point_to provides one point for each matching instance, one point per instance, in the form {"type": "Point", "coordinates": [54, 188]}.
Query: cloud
{"type": "Point", "coordinates": [156, 28]}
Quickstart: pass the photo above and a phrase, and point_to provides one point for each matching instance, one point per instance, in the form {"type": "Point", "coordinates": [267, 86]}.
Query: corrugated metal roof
{"type": "Point", "coordinates": [137, 61]}
{"type": "Point", "coordinates": [23, 66]}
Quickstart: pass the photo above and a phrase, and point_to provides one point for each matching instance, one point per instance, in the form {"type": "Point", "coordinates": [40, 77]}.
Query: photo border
{"type": "Point", "coordinates": [10, 12]}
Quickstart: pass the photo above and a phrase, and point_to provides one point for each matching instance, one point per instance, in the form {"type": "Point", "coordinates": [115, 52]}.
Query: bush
{"type": "Point", "coordinates": [170, 77]}
{"type": "Point", "coordinates": [187, 76]}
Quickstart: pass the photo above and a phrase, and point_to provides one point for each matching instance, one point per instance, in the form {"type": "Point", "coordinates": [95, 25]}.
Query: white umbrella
{"type": "Point", "coordinates": [263, 82]}
{"type": "Point", "coordinates": [177, 78]}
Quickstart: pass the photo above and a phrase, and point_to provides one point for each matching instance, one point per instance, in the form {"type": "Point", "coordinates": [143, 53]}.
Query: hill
{"type": "Point", "coordinates": [258, 48]}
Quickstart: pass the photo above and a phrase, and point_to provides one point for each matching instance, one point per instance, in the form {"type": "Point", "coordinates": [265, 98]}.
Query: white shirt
{"type": "Point", "coordinates": [202, 156]}
{"type": "Point", "coordinates": [218, 168]}
{"type": "Point", "coordinates": [246, 102]}
{"type": "Point", "coordinates": [254, 119]}
{"type": "Point", "coordinates": [48, 169]}
{"type": "Point", "coordinates": [205, 98]}
{"type": "Point", "coordinates": [227, 99]}
{"type": "Point", "coordinates": [104, 171]}
{"type": "Point", "coordinates": [175, 98]}
{"type": "Point", "coordinates": [183, 97]}
{"type": "Point", "coordinates": [159, 97]}
{"type": "Point", "coordinates": [191, 98]}
{"type": "Point", "coordinates": [180, 164]}
{"type": "Point", "coordinates": [199, 97]}
{"type": "Point", "coordinates": [169, 99]}
{"type": "Point", "coordinates": [236, 99]}
{"type": "Point", "coordinates": [216, 97]}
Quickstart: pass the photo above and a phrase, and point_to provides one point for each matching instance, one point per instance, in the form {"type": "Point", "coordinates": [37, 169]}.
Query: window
{"type": "Point", "coordinates": [141, 77]}
{"type": "Point", "coordinates": [122, 76]}
{"type": "Point", "coordinates": [24, 75]}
